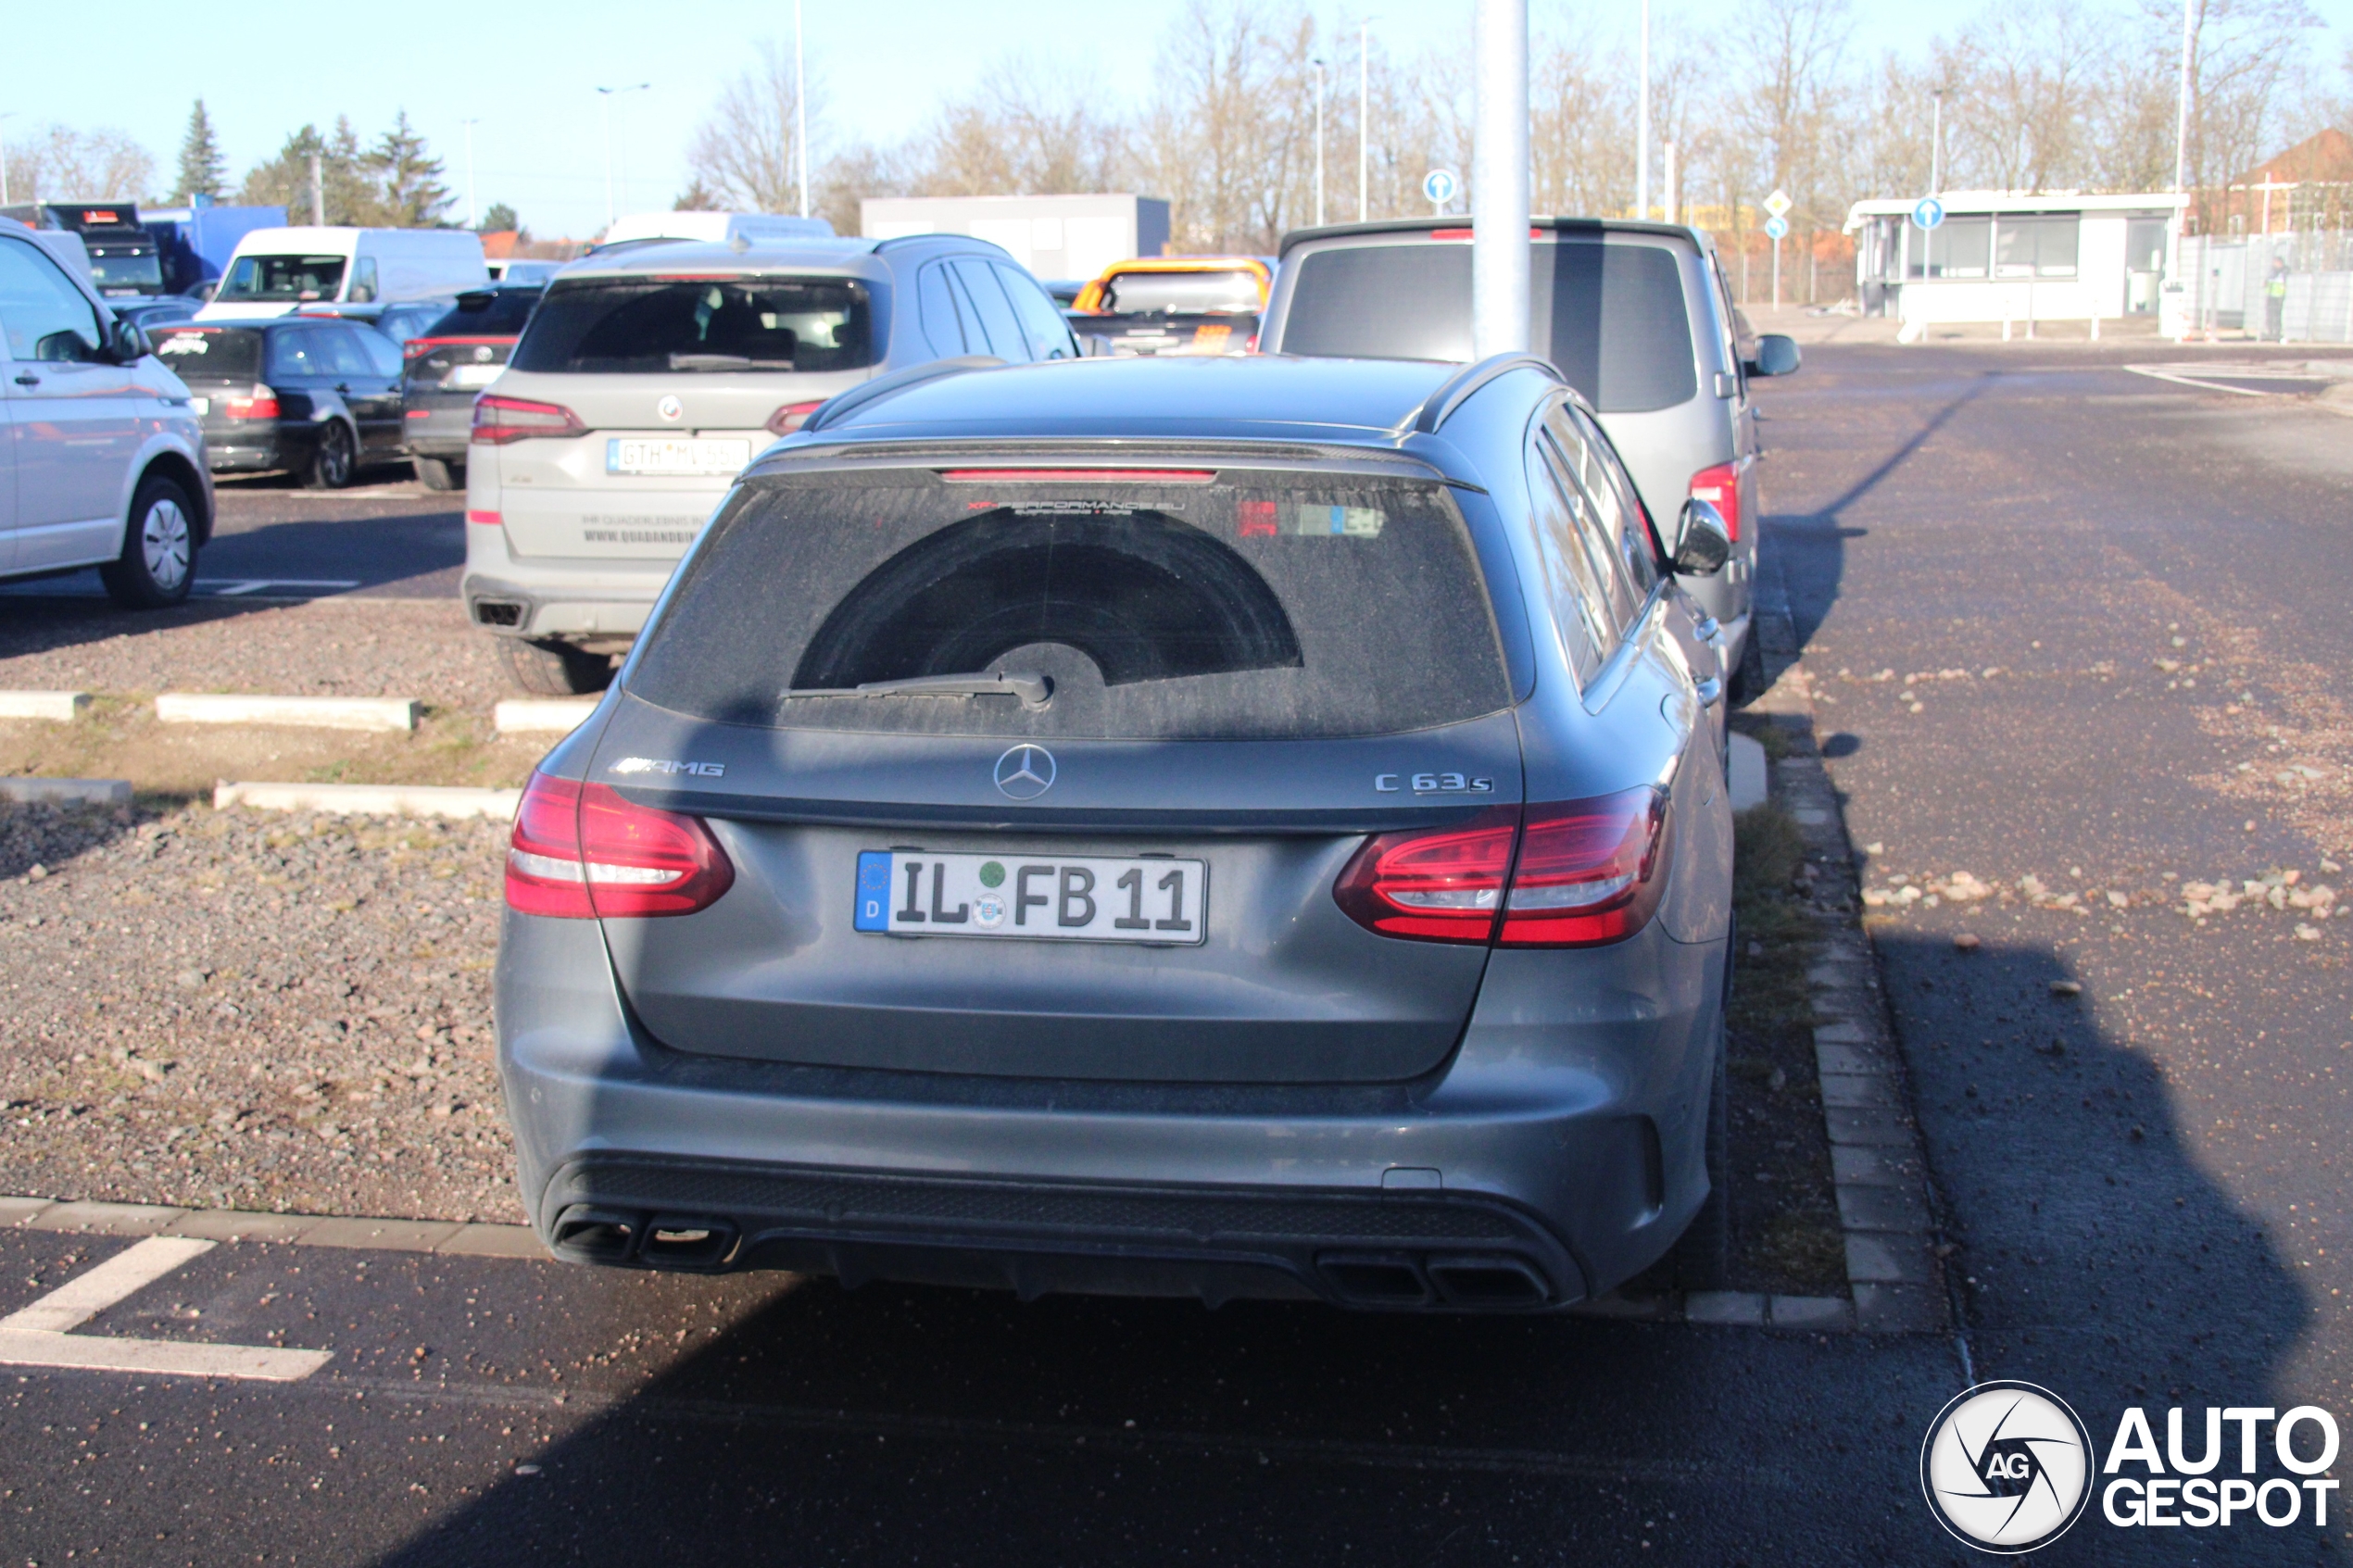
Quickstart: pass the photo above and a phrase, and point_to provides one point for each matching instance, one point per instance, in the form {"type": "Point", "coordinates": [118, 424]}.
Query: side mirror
{"type": "Point", "coordinates": [1702, 542]}
{"type": "Point", "coordinates": [1776, 355]}
{"type": "Point", "coordinates": [127, 342]}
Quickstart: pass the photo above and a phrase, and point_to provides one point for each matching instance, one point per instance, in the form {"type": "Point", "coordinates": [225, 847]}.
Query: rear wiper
{"type": "Point", "coordinates": [1035, 691]}
{"type": "Point", "coordinates": [726, 363]}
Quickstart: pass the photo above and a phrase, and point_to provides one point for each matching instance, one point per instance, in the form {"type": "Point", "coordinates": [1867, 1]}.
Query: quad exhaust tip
{"type": "Point", "coordinates": [586, 1233]}
{"type": "Point", "coordinates": [1467, 1281]}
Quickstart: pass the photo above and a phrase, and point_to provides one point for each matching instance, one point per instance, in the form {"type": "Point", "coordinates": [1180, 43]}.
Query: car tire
{"type": "Point", "coordinates": [1704, 1256]}
{"type": "Point", "coordinates": [337, 458]}
{"type": "Point", "coordinates": [157, 565]}
{"type": "Point", "coordinates": [1748, 677]}
{"type": "Point", "coordinates": [437, 473]}
{"type": "Point", "coordinates": [554, 669]}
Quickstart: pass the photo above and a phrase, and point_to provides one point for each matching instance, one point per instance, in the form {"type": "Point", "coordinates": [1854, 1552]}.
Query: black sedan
{"type": "Point", "coordinates": [447, 366]}
{"type": "Point", "coordinates": [293, 394]}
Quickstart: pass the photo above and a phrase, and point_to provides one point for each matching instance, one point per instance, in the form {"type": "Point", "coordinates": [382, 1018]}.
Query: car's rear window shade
{"type": "Point", "coordinates": [1610, 316]}
{"type": "Point", "coordinates": [1259, 606]}
{"type": "Point", "coordinates": [698, 323]}
{"type": "Point", "coordinates": [210, 353]}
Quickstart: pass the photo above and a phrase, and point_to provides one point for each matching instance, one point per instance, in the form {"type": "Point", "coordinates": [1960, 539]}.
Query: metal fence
{"type": "Point", "coordinates": [2227, 278]}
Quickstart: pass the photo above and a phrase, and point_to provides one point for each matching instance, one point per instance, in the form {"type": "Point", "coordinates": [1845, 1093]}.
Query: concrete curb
{"type": "Point", "coordinates": [67, 792]}
{"type": "Point", "coordinates": [1878, 1167]}
{"type": "Point", "coordinates": [447, 1238]}
{"type": "Point", "coordinates": [384, 713]}
{"type": "Point", "coordinates": [541, 716]}
{"type": "Point", "coordinates": [63, 706]}
{"type": "Point", "coordinates": [370, 801]}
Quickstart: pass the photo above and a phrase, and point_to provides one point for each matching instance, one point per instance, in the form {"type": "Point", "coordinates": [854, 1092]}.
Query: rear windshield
{"type": "Point", "coordinates": [1152, 293]}
{"type": "Point", "coordinates": [641, 326]}
{"type": "Point", "coordinates": [1610, 316]}
{"type": "Point", "coordinates": [492, 313]}
{"type": "Point", "coordinates": [283, 278]}
{"type": "Point", "coordinates": [1257, 606]}
{"type": "Point", "coordinates": [210, 353]}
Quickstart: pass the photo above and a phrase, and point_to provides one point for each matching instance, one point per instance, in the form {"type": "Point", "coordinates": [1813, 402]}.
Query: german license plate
{"type": "Point", "coordinates": [200, 405]}
{"type": "Point", "coordinates": [475, 375]}
{"type": "Point", "coordinates": [683, 455]}
{"type": "Point", "coordinates": [1047, 898]}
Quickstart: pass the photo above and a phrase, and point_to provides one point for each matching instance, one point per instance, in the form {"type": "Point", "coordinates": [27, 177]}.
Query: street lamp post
{"type": "Point", "coordinates": [1319, 142]}
{"type": "Point", "coordinates": [1499, 179]}
{"type": "Point", "coordinates": [4, 160]}
{"type": "Point", "coordinates": [1363, 117]}
{"type": "Point", "coordinates": [1643, 124]}
{"type": "Point", "coordinates": [800, 107]}
{"type": "Point", "coordinates": [606, 95]}
{"type": "Point", "coordinates": [1936, 142]}
{"type": "Point", "coordinates": [473, 212]}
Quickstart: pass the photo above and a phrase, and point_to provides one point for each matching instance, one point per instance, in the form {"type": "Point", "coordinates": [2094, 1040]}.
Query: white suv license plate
{"type": "Point", "coordinates": [1036, 898]}
{"type": "Point", "coordinates": [682, 455]}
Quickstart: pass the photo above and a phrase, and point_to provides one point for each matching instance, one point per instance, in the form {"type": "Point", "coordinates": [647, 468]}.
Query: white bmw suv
{"type": "Point", "coordinates": [107, 453]}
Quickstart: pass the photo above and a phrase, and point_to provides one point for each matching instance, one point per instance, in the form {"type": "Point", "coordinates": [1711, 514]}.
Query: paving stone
{"type": "Point", "coordinates": [106, 1219]}
{"type": "Point", "coordinates": [238, 1224]}
{"type": "Point", "coordinates": [1882, 1207]}
{"type": "Point", "coordinates": [1853, 1164]}
{"type": "Point", "coordinates": [1858, 1090]}
{"type": "Point", "coordinates": [16, 1211]}
{"type": "Point", "coordinates": [1813, 1311]}
{"type": "Point", "coordinates": [494, 1241]}
{"type": "Point", "coordinates": [1889, 1259]}
{"type": "Point", "coordinates": [1851, 1059]}
{"type": "Point", "coordinates": [1883, 1128]}
{"type": "Point", "coordinates": [1898, 1309]}
{"type": "Point", "coordinates": [393, 1236]}
{"type": "Point", "coordinates": [1724, 1306]}
{"type": "Point", "coordinates": [1844, 1034]}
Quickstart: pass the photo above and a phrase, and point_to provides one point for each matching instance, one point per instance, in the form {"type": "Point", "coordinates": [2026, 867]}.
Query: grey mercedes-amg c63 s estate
{"type": "Point", "coordinates": [1220, 827]}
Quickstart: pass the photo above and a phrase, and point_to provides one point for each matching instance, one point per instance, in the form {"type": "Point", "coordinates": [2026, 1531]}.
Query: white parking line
{"type": "Point", "coordinates": [237, 587]}
{"type": "Point", "coordinates": [37, 1336]}
{"type": "Point", "coordinates": [2155, 374]}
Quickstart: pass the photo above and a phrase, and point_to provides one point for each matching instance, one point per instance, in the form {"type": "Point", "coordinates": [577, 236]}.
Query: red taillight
{"type": "Point", "coordinates": [499, 420]}
{"type": "Point", "coordinates": [1720, 486]}
{"type": "Point", "coordinates": [420, 413]}
{"type": "Point", "coordinates": [259, 403]}
{"type": "Point", "coordinates": [488, 520]}
{"type": "Point", "coordinates": [792, 415]}
{"type": "Point", "coordinates": [1574, 874]}
{"type": "Point", "coordinates": [582, 852]}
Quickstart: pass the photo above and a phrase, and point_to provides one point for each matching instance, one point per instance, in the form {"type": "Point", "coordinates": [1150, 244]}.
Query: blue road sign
{"type": "Point", "coordinates": [1777, 227]}
{"type": "Point", "coordinates": [1929, 213]}
{"type": "Point", "coordinates": [1439, 186]}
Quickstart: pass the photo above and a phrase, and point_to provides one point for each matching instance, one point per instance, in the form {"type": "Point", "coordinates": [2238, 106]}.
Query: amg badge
{"type": "Point", "coordinates": [664, 765]}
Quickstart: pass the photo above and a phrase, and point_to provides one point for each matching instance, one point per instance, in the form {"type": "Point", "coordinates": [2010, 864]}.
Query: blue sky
{"type": "Point", "coordinates": [527, 72]}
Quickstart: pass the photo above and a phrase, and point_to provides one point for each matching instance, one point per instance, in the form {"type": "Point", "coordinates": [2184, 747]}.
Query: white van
{"type": "Point", "coordinates": [273, 270]}
{"type": "Point", "coordinates": [716, 227]}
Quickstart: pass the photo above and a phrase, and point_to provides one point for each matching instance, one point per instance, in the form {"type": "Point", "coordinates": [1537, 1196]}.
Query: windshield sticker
{"type": "Point", "coordinates": [1267, 519]}
{"type": "Point", "coordinates": [1070, 508]}
{"type": "Point", "coordinates": [185, 342]}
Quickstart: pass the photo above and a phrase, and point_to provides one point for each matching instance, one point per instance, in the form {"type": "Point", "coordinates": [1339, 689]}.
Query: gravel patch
{"type": "Point", "coordinates": [230, 1010]}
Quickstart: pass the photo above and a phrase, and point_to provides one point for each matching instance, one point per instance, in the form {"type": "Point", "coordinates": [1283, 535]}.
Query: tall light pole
{"type": "Point", "coordinates": [605, 96]}
{"type": "Point", "coordinates": [473, 213]}
{"type": "Point", "coordinates": [1499, 178]}
{"type": "Point", "coordinates": [1363, 117]}
{"type": "Point", "coordinates": [801, 106]}
{"type": "Point", "coordinates": [4, 160]}
{"type": "Point", "coordinates": [1642, 125]}
{"type": "Point", "coordinates": [1318, 63]}
{"type": "Point", "coordinates": [2182, 117]}
{"type": "Point", "coordinates": [1669, 192]}
{"type": "Point", "coordinates": [1936, 141]}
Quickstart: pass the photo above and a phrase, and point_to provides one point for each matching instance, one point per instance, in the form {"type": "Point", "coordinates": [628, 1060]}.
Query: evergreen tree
{"type": "Point", "coordinates": [698, 197]}
{"type": "Point", "coordinates": [284, 181]}
{"type": "Point", "coordinates": [500, 218]}
{"type": "Point", "coordinates": [203, 171]}
{"type": "Point", "coordinates": [408, 180]}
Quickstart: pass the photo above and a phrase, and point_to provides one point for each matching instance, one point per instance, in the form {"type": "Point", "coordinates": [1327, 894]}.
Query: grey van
{"type": "Point", "coordinates": [649, 375]}
{"type": "Point", "coordinates": [1637, 316]}
{"type": "Point", "coordinates": [1204, 826]}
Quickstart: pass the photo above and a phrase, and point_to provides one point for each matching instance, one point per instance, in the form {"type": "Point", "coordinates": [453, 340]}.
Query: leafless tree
{"type": "Point", "coordinates": [745, 151]}
{"type": "Point", "coordinates": [59, 163]}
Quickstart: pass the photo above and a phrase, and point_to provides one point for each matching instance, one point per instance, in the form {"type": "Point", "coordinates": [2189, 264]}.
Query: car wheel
{"type": "Point", "coordinates": [1748, 679]}
{"type": "Point", "coordinates": [1704, 1256]}
{"type": "Point", "coordinates": [554, 669]}
{"type": "Point", "coordinates": [437, 473]}
{"type": "Point", "coordinates": [159, 562]}
{"type": "Point", "coordinates": [331, 465]}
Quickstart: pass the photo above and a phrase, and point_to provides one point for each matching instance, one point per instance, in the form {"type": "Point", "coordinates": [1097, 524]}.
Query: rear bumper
{"type": "Point", "coordinates": [443, 432]}
{"type": "Point", "coordinates": [1559, 1153]}
{"type": "Point", "coordinates": [251, 451]}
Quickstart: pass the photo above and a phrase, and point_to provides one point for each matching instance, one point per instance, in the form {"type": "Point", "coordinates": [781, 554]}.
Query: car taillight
{"type": "Point", "coordinates": [1720, 486]}
{"type": "Point", "coordinates": [1573, 875]}
{"type": "Point", "coordinates": [259, 403]}
{"type": "Point", "coordinates": [792, 415]}
{"type": "Point", "coordinates": [499, 420]}
{"type": "Point", "coordinates": [487, 519]}
{"type": "Point", "coordinates": [583, 852]}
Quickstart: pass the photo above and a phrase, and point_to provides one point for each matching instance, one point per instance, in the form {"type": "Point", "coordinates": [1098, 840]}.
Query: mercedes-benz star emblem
{"type": "Point", "coordinates": [670, 408]}
{"type": "Point", "coordinates": [1025, 773]}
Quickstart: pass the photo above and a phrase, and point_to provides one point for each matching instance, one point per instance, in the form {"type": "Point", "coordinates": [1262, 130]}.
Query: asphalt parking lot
{"type": "Point", "coordinates": [2114, 597]}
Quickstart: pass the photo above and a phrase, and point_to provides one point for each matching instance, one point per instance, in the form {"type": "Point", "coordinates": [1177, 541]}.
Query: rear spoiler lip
{"type": "Point", "coordinates": [914, 815]}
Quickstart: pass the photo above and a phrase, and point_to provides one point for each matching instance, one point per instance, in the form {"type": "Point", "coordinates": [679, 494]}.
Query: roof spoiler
{"type": "Point", "coordinates": [1440, 406]}
{"type": "Point", "coordinates": [834, 408]}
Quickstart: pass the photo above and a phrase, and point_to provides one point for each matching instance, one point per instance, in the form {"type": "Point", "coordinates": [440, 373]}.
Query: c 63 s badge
{"type": "Point", "coordinates": [665, 765]}
{"type": "Point", "coordinates": [1433, 783]}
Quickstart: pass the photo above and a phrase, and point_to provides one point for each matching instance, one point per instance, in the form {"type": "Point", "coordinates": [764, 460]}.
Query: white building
{"type": "Point", "coordinates": [2003, 257]}
{"type": "Point", "coordinates": [1074, 237]}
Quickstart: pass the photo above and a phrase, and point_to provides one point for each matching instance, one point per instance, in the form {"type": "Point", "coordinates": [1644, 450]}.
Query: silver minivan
{"type": "Point", "coordinates": [1636, 315]}
{"type": "Point", "coordinates": [652, 372]}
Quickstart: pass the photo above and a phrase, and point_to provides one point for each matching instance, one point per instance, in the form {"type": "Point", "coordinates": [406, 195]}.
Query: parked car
{"type": "Point", "coordinates": [1637, 316]}
{"type": "Point", "coordinates": [1015, 857]}
{"type": "Point", "coordinates": [1174, 305]}
{"type": "Point", "coordinates": [107, 465]}
{"type": "Point", "coordinates": [155, 311]}
{"type": "Point", "coordinates": [443, 369]}
{"type": "Point", "coordinates": [524, 269]}
{"type": "Point", "coordinates": [649, 375]}
{"type": "Point", "coordinates": [291, 394]}
{"type": "Point", "coordinates": [276, 271]}
{"type": "Point", "coordinates": [395, 323]}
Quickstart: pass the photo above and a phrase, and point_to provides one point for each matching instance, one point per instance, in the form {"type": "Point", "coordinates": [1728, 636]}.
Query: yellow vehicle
{"type": "Point", "coordinates": [1174, 304]}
